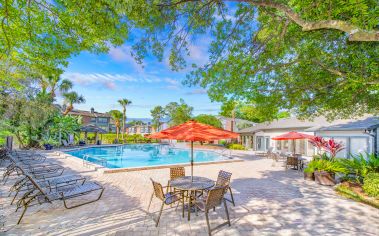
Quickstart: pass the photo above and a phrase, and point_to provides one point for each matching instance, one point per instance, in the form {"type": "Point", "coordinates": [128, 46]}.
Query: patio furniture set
{"type": "Point", "coordinates": [39, 181]}
{"type": "Point", "coordinates": [194, 193]}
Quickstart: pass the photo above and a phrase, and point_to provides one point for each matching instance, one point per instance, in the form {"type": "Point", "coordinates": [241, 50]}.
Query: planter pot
{"type": "Point", "coordinates": [324, 178]}
{"type": "Point", "coordinates": [48, 147]}
{"type": "Point", "coordinates": [309, 176]}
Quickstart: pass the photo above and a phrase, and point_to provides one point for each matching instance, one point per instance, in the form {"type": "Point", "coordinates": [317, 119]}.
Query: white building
{"type": "Point", "coordinates": [357, 135]}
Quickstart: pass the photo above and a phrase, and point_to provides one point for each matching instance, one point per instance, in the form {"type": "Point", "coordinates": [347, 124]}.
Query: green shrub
{"type": "Point", "coordinates": [358, 166]}
{"type": "Point", "coordinates": [235, 146]}
{"type": "Point", "coordinates": [319, 164]}
{"type": "Point", "coordinates": [371, 184]}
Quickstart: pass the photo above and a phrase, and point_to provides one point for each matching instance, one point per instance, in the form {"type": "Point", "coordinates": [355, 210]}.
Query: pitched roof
{"type": "Point", "coordinates": [286, 123]}
{"type": "Point", "coordinates": [88, 113]}
{"type": "Point", "coordinates": [360, 124]}
{"type": "Point", "coordinates": [317, 124]}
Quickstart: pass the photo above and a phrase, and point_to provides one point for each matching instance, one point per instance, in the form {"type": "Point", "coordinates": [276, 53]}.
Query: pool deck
{"type": "Point", "coordinates": [269, 201]}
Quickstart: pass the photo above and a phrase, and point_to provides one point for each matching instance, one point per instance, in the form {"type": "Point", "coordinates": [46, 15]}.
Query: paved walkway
{"type": "Point", "coordinates": [269, 201]}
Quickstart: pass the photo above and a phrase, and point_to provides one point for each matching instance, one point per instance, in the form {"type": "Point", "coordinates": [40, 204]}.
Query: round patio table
{"type": "Point", "coordinates": [185, 184]}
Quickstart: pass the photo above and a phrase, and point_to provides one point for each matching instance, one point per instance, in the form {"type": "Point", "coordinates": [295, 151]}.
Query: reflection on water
{"type": "Point", "coordinates": [137, 155]}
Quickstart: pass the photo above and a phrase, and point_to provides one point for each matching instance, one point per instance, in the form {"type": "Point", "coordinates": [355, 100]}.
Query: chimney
{"type": "Point", "coordinates": [92, 110]}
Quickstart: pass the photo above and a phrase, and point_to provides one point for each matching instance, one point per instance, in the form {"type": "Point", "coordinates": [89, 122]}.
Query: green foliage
{"type": "Point", "coordinates": [208, 120]}
{"type": "Point", "coordinates": [27, 115]}
{"type": "Point", "coordinates": [38, 37]}
{"type": "Point", "coordinates": [358, 166]}
{"type": "Point", "coordinates": [262, 56]}
{"type": "Point", "coordinates": [371, 184]}
{"type": "Point", "coordinates": [250, 112]}
{"type": "Point", "coordinates": [235, 146]}
{"type": "Point", "coordinates": [158, 113]}
{"type": "Point", "coordinates": [322, 164]}
{"type": "Point", "coordinates": [178, 113]}
{"type": "Point", "coordinates": [130, 138]}
{"type": "Point", "coordinates": [349, 193]}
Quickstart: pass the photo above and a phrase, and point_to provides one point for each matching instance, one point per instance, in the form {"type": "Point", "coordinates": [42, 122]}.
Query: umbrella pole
{"type": "Point", "coordinates": [192, 161]}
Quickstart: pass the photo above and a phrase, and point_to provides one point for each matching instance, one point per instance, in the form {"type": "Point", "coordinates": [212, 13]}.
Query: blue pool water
{"type": "Point", "coordinates": [139, 155]}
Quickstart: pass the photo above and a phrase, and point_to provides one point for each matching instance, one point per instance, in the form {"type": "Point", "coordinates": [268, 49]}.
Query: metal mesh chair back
{"type": "Point", "coordinates": [215, 197]}
{"type": "Point", "coordinates": [177, 172]}
{"type": "Point", "coordinates": [158, 190]}
{"type": "Point", "coordinates": [292, 161]}
{"type": "Point", "coordinates": [223, 179]}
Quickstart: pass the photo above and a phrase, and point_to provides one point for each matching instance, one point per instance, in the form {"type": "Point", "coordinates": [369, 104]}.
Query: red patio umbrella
{"type": "Point", "coordinates": [292, 136]}
{"type": "Point", "coordinates": [194, 131]}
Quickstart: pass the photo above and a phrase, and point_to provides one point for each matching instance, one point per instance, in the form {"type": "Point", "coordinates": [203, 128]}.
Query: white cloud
{"type": "Point", "coordinates": [123, 54]}
{"type": "Point", "coordinates": [109, 80]}
{"type": "Point", "coordinates": [197, 92]}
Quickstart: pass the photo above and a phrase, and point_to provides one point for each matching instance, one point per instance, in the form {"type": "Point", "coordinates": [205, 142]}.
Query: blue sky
{"type": "Point", "coordinates": [105, 78]}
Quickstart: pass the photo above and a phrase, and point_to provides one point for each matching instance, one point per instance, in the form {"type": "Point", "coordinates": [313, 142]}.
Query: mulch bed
{"type": "Point", "coordinates": [354, 191]}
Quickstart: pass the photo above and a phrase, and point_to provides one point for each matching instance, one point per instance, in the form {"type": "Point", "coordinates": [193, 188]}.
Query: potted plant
{"type": "Point", "coordinates": [48, 143]}
{"type": "Point", "coordinates": [309, 170]}
{"type": "Point", "coordinates": [326, 170]}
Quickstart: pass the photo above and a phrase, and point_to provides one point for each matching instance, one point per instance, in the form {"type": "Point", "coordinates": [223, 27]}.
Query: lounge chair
{"type": "Point", "coordinates": [214, 198]}
{"type": "Point", "coordinates": [41, 195]}
{"type": "Point", "coordinates": [24, 184]}
{"type": "Point", "coordinates": [166, 198]}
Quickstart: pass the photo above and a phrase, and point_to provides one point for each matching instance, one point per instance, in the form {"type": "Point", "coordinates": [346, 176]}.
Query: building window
{"type": "Point", "coordinates": [358, 145]}
{"type": "Point", "coordinates": [102, 120]}
{"type": "Point", "coordinates": [93, 120]}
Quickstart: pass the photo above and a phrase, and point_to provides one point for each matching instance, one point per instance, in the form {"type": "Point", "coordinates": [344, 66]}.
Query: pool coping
{"type": "Point", "coordinates": [107, 170]}
{"type": "Point", "coordinates": [129, 169]}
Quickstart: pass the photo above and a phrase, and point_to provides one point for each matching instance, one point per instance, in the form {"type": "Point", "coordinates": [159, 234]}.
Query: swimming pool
{"type": "Point", "coordinates": [143, 155]}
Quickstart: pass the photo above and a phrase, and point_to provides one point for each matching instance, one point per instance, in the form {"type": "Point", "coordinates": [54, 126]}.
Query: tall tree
{"type": "Point", "coordinates": [157, 113]}
{"type": "Point", "coordinates": [116, 116]}
{"type": "Point", "coordinates": [38, 37]}
{"type": "Point", "coordinates": [70, 99]}
{"type": "Point", "coordinates": [178, 113]}
{"type": "Point", "coordinates": [51, 84]}
{"type": "Point", "coordinates": [251, 112]}
{"type": "Point", "coordinates": [310, 57]}
{"type": "Point", "coordinates": [124, 102]}
{"type": "Point", "coordinates": [208, 120]}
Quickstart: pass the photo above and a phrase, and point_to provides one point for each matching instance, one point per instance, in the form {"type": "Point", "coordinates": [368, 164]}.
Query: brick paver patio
{"type": "Point", "coordinates": [269, 201]}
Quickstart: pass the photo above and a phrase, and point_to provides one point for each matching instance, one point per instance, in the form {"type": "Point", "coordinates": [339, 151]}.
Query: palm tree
{"type": "Point", "coordinates": [124, 102]}
{"type": "Point", "coordinates": [70, 99]}
{"type": "Point", "coordinates": [116, 116]}
{"type": "Point", "coordinates": [54, 83]}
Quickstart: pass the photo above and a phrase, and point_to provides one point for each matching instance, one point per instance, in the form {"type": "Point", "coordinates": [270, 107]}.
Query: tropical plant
{"type": "Point", "coordinates": [157, 113]}
{"type": "Point", "coordinates": [51, 84]}
{"type": "Point", "coordinates": [70, 99]}
{"type": "Point", "coordinates": [329, 146]}
{"type": "Point", "coordinates": [359, 165]}
{"type": "Point", "coordinates": [116, 116]}
{"type": "Point", "coordinates": [330, 166]}
{"type": "Point", "coordinates": [124, 102]}
{"type": "Point", "coordinates": [317, 142]}
{"type": "Point", "coordinates": [208, 120]}
{"type": "Point", "coordinates": [333, 147]}
{"type": "Point", "coordinates": [63, 126]}
{"type": "Point", "coordinates": [371, 184]}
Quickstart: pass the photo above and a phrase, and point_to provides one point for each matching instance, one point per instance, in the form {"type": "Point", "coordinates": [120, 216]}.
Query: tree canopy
{"type": "Point", "coordinates": [313, 57]}
{"type": "Point", "coordinates": [208, 120]}
{"type": "Point", "coordinates": [251, 112]}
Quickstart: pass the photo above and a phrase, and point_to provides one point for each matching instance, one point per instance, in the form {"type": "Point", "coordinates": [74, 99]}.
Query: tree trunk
{"type": "Point", "coordinates": [69, 108]}
{"type": "Point", "coordinates": [123, 124]}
